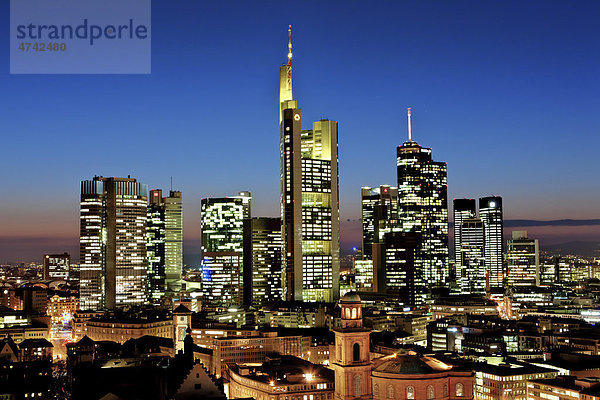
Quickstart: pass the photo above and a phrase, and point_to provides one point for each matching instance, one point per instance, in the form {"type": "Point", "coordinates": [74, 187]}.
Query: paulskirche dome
{"type": "Point", "coordinates": [411, 364]}
{"type": "Point", "coordinates": [350, 297]}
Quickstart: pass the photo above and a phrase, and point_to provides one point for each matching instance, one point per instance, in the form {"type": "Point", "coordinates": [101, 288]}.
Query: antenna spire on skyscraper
{"type": "Point", "coordinates": [409, 127]}
{"type": "Point", "coordinates": [290, 45]}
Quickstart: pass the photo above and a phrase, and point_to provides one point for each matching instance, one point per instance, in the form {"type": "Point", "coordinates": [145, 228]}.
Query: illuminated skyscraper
{"type": "Point", "coordinates": [309, 201]}
{"type": "Point", "coordinates": [165, 241]}
{"type": "Point", "coordinates": [222, 248]}
{"type": "Point", "coordinates": [523, 260]}
{"type": "Point", "coordinates": [113, 243]}
{"type": "Point", "coordinates": [471, 273]}
{"type": "Point", "coordinates": [462, 209]}
{"type": "Point", "coordinates": [490, 212]}
{"type": "Point", "coordinates": [423, 208]}
{"type": "Point", "coordinates": [173, 236]}
{"type": "Point", "coordinates": [262, 260]}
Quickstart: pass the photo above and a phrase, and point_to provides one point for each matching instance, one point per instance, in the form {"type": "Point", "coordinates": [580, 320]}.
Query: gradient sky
{"type": "Point", "coordinates": [506, 92]}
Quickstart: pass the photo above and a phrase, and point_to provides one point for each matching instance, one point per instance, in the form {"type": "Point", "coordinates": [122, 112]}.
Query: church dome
{"type": "Point", "coordinates": [350, 297]}
{"type": "Point", "coordinates": [410, 364]}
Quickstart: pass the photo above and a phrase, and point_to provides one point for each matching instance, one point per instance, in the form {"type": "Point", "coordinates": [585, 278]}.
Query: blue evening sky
{"type": "Point", "coordinates": [506, 92]}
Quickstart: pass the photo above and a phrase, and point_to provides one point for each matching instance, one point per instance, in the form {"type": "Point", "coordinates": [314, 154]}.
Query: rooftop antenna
{"type": "Point", "coordinates": [290, 45]}
{"type": "Point", "coordinates": [409, 129]}
{"type": "Point", "coordinates": [171, 184]}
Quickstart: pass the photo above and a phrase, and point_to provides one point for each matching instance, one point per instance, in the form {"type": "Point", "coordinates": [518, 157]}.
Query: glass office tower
{"type": "Point", "coordinates": [523, 260]}
{"type": "Point", "coordinates": [462, 209]}
{"type": "Point", "coordinates": [113, 263]}
{"type": "Point", "coordinates": [165, 242]}
{"type": "Point", "coordinates": [262, 261]}
{"type": "Point", "coordinates": [490, 212]}
{"type": "Point", "coordinates": [222, 223]}
{"type": "Point", "coordinates": [423, 209]}
{"type": "Point", "coordinates": [471, 274]}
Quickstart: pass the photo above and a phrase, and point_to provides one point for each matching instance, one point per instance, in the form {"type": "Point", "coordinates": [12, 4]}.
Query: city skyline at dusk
{"type": "Point", "coordinates": [511, 108]}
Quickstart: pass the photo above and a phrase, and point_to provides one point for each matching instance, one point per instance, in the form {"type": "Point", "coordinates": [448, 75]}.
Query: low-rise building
{"type": "Point", "coordinates": [254, 349]}
{"type": "Point", "coordinates": [61, 309]}
{"type": "Point", "coordinates": [463, 304]}
{"type": "Point", "coordinates": [564, 388]}
{"type": "Point", "coordinates": [280, 378]}
{"type": "Point", "coordinates": [120, 327]}
{"type": "Point", "coordinates": [501, 379]}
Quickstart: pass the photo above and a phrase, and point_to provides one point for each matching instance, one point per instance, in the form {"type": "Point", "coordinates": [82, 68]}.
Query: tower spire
{"type": "Point", "coordinates": [409, 127]}
{"type": "Point", "coordinates": [290, 45]}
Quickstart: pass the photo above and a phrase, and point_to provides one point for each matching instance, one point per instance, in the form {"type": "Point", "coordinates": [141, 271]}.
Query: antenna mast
{"type": "Point", "coordinates": [409, 127]}
{"type": "Point", "coordinates": [290, 45]}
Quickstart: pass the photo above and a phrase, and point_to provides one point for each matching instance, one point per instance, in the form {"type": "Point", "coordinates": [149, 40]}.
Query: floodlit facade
{"type": "Point", "coordinates": [262, 260]}
{"type": "Point", "coordinates": [523, 256]}
{"type": "Point", "coordinates": [222, 248]}
{"type": "Point", "coordinates": [423, 209]}
{"type": "Point", "coordinates": [113, 263]}
{"type": "Point", "coordinates": [309, 201]}
{"type": "Point", "coordinates": [490, 212]}
{"type": "Point", "coordinates": [56, 266]}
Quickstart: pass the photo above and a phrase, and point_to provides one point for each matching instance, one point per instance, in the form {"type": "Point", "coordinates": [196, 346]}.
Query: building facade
{"type": "Point", "coordinates": [490, 212]}
{"type": "Point", "coordinates": [471, 272]}
{"type": "Point", "coordinates": [222, 248]}
{"type": "Point", "coordinates": [523, 260]}
{"type": "Point", "coordinates": [379, 215]}
{"type": "Point", "coordinates": [164, 242]}
{"type": "Point", "coordinates": [56, 266]}
{"type": "Point", "coordinates": [262, 260]}
{"type": "Point", "coordinates": [113, 243]}
{"type": "Point", "coordinates": [462, 209]}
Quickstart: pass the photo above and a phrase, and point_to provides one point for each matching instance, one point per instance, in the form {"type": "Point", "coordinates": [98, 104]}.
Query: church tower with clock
{"type": "Point", "coordinates": [351, 359]}
{"type": "Point", "coordinates": [182, 320]}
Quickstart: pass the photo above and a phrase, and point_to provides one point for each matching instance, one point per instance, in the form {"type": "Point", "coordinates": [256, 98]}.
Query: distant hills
{"type": "Point", "coordinates": [580, 248]}
{"type": "Point", "coordinates": [511, 223]}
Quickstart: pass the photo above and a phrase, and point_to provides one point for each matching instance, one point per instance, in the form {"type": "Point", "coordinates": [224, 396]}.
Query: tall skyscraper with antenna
{"type": "Point", "coordinates": [309, 199]}
{"type": "Point", "coordinates": [423, 208]}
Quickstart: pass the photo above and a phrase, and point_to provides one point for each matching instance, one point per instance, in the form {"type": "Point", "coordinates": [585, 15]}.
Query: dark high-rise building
{"type": "Point", "coordinates": [394, 265]}
{"type": "Point", "coordinates": [379, 214]}
{"type": "Point", "coordinates": [113, 263]}
{"type": "Point", "coordinates": [471, 273]}
{"type": "Point", "coordinates": [165, 242]}
{"type": "Point", "coordinates": [490, 213]}
{"type": "Point", "coordinates": [423, 209]}
{"type": "Point", "coordinates": [222, 248]}
{"type": "Point", "coordinates": [56, 266]}
{"type": "Point", "coordinates": [309, 201]}
{"type": "Point", "coordinates": [462, 209]}
{"type": "Point", "coordinates": [155, 247]}
{"type": "Point", "coordinates": [262, 260]}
